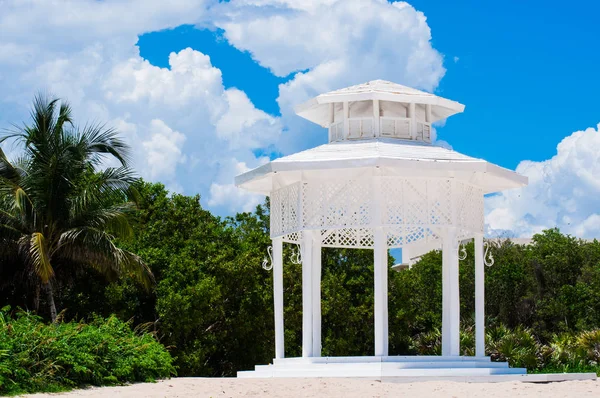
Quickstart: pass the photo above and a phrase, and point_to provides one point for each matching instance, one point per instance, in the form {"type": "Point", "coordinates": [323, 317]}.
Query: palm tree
{"type": "Point", "coordinates": [58, 208]}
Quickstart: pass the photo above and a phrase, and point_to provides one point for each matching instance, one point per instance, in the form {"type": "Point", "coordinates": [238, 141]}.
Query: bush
{"type": "Point", "coordinates": [518, 346]}
{"type": "Point", "coordinates": [564, 353]}
{"type": "Point", "coordinates": [428, 343]}
{"type": "Point", "coordinates": [574, 353]}
{"type": "Point", "coordinates": [35, 356]}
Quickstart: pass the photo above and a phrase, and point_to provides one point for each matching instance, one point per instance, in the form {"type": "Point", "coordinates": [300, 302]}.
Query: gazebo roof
{"type": "Point", "coordinates": [395, 157]}
{"type": "Point", "coordinates": [317, 109]}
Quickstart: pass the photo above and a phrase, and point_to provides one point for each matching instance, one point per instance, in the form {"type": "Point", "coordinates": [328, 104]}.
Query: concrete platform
{"type": "Point", "coordinates": [405, 369]}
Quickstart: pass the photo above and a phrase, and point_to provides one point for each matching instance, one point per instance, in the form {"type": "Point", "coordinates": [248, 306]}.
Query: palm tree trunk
{"type": "Point", "coordinates": [50, 300]}
{"type": "Point", "coordinates": [36, 298]}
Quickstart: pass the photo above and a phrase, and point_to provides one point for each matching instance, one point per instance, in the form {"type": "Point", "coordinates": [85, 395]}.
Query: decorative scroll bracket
{"type": "Point", "coordinates": [462, 253]}
{"type": "Point", "coordinates": [266, 264]}
{"type": "Point", "coordinates": [488, 258]}
{"type": "Point", "coordinates": [296, 257]}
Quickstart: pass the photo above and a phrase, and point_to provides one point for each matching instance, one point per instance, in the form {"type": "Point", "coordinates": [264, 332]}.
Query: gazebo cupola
{"type": "Point", "coordinates": [378, 109]}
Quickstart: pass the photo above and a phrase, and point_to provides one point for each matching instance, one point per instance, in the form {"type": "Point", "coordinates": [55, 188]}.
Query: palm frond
{"type": "Point", "coordinates": [7, 169]}
{"type": "Point", "coordinates": [96, 140]}
{"type": "Point", "coordinates": [104, 194]}
{"type": "Point", "coordinates": [113, 219]}
{"type": "Point", "coordinates": [64, 116]}
{"type": "Point", "coordinates": [16, 203]}
{"type": "Point", "coordinates": [96, 248]}
{"type": "Point", "coordinates": [39, 257]}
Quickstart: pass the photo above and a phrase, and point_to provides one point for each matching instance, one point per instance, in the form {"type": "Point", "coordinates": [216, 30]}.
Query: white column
{"type": "Point", "coordinates": [331, 121]}
{"type": "Point", "coordinates": [376, 128]}
{"type": "Point", "coordinates": [412, 114]}
{"type": "Point", "coordinates": [428, 113]}
{"type": "Point", "coordinates": [332, 113]}
{"type": "Point", "coordinates": [278, 296]}
{"type": "Point", "coordinates": [381, 293]}
{"type": "Point", "coordinates": [307, 295]}
{"type": "Point", "coordinates": [450, 294]}
{"type": "Point", "coordinates": [316, 294]}
{"type": "Point", "coordinates": [479, 297]}
{"type": "Point", "coordinates": [346, 121]}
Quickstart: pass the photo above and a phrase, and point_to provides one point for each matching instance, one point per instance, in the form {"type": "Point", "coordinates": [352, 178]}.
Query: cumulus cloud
{"type": "Point", "coordinates": [562, 192]}
{"type": "Point", "coordinates": [226, 193]}
{"type": "Point", "coordinates": [242, 125]}
{"type": "Point", "coordinates": [163, 150]}
{"type": "Point", "coordinates": [331, 44]}
{"type": "Point", "coordinates": [180, 121]}
{"type": "Point", "coordinates": [185, 127]}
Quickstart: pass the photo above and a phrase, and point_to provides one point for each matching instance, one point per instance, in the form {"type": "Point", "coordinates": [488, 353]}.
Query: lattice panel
{"type": "Point", "coordinates": [439, 202]}
{"type": "Point", "coordinates": [401, 236]}
{"type": "Point", "coordinates": [469, 207]}
{"type": "Point", "coordinates": [294, 237]}
{"type": "Point", "coordinates": [285, 217]}
{"type": "Point", "coordinates": [349, 237]}
{"type": "Point", "coordinates": [392, 195]}
{"type": "Point", "coordinates": [415, 202]}
{"type": "Point", "coordinates": [395, 237]}
{"type": "Point", "coordinates": [336, 204]}
{"type": "Point", "coordinates": [411, 209]}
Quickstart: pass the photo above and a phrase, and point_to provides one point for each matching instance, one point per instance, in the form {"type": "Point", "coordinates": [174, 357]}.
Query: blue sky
{"type": "Point", "coordinates": [238, 67]}
{"type": "Point", "coordinates": [204, 89]}
{"type": "Point", "coordinates": [527, 71]}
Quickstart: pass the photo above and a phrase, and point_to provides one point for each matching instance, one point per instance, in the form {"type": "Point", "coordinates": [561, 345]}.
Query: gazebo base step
{"type": "Point", "coordinates": [405, 369]}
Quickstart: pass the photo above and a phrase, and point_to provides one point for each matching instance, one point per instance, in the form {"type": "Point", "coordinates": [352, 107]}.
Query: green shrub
{"type": "Point", "coordinates": [428, 343]}
{"type": "Point", "coordinates": [564, 353]}
{"type": "Point", "coordinates": [518, 346]}
{"type": "Point", "coordinates": [35, 356]}
{"type": "Point", "coordinates": [588, 345]}
{"type": "Point", "coordinates": [574, 353]}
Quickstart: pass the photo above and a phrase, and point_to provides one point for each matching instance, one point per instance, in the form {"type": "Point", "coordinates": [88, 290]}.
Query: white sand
{"type": "Point", "coordinates": [216, 387]}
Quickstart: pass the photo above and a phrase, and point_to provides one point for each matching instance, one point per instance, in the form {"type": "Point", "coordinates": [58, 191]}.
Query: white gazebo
{"type": "Point", "coordinates": [379, 183]}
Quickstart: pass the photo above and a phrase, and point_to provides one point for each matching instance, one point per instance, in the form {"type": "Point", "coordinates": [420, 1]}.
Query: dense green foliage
{"type": "Point", "coordinates": [551, 286]}
{"type": "Point", "coordinates": [567, 352]}
{"type": "Point", "coordinates": [211, 302]}
{"type": "Point", "coordinates": [36, 356]}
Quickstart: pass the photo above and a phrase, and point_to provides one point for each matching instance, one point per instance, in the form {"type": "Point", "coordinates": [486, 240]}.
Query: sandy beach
{"type": "Point", "coordinates": [230, 387]}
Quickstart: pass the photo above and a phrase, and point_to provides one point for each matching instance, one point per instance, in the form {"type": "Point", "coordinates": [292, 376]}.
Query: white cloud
{"type": "Point", "coordinates": [297, 36]}
{"type": "Point", "coordinates": [163, 150]}
{"type": "Point", "coordinates": [233, 198]}
{"type": "Point", "coordinates": [227, 194]}
{"type": "Point", "coordinates": [332, 44]}
{"type": "Point", "coordinates": [242, 125]}
{"type": "Point", "coordinates": [185, 128]}
{"type": "Point", "coordinates": [562, 192]}
{"type": "Point", "coordinates": [168, 115]}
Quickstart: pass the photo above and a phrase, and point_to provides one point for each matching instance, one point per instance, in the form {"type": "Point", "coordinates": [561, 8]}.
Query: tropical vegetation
{"type": "Point", "coordinates": [37, 356]}
{"type": "Point", "coordinates": [113, 252]}
{"type": "Point", "coordinates": [59, 212]}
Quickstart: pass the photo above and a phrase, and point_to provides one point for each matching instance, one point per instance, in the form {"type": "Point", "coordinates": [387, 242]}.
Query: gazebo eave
{"type": "Point", "coordinates": [491, 178]}
{"type": "Point", "coordinates": [317, 110]}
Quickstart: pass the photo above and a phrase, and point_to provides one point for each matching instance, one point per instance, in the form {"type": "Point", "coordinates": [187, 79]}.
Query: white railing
{"type": "Point", "coordinates": [395, 127]}
{"type": "Point", "coordinates": [360, 127]}
{"type": "Point", "coordinates": [336, 132]}
{"type": "Point", "coordinates": [391, 127]}
{"type": "Point", "coordinates": [424, 131]}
